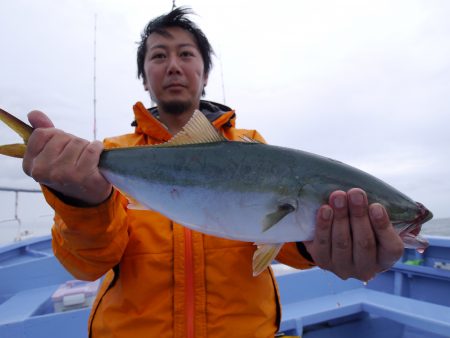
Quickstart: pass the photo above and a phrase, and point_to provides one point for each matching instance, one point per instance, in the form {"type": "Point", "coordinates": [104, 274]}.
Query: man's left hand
{"type": "Point", "coordinates": [354, 239]}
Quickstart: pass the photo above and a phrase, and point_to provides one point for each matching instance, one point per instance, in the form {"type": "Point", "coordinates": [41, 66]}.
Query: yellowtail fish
{"type": "Point", "coordinates": [244, 191]}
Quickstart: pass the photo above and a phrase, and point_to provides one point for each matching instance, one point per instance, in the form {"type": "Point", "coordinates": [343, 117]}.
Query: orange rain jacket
{"type": "Point", "coordinates": [162, 279]}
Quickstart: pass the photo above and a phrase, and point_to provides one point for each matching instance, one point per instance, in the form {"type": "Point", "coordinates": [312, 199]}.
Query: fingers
{"type": "Point", "coordinates": [43, 148]}
{"type": "Point", "coordinates": [390, 244]}
{"type": "Point", "coordinates": [320, 247]}
{"type": "Point", "coordinates": [65, 163]}
{"type": "Point", "coordinates": [36, 143]}
{"type": "Point", "coordinates": [39, 120]}
{"type": "Point", "coordinates": [90, 155]}
{"type": "Point", "coordinates": [38, 139]}
{"type": "Point", "coordinates": [353, 239]}
{"type": "Point", "coordinates": [364, 243]}
{"type": "Point", "coordinates": [341, 249]}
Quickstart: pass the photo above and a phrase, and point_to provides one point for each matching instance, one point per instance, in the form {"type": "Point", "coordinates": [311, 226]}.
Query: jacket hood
{"type": "Point", "coordinates": [147, 120]}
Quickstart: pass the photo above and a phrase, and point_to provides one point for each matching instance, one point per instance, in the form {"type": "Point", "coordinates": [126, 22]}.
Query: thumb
{"type": "Point", "coordinates": [39, 120]}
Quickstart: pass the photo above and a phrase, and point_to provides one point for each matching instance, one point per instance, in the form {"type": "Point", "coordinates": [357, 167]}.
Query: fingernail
{"type": "Point", "coordinates": [339, 202]}
{"type": "Point", "coordinates": [326, 214]}
{"type": "Point", "coordinates": [357, 198]}
{"type": "Point", "coordinates": [376, 211]}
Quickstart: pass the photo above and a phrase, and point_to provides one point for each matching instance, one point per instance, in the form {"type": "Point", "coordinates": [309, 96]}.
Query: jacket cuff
{"type": "Point", "coordinates": [73, 202]}
{"type": "Point", "coordinates": [70, 213]}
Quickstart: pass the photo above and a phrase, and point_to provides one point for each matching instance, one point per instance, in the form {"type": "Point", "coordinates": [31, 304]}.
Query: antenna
{"type": "Point", "coordinates": [95, 77]}
{"type": "Point", "coordinates": [223, 82]}
{"type": "Point", "coordinates": [173, 5]}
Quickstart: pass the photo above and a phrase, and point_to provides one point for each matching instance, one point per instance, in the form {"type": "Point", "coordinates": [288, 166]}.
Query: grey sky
{"type": "Point", "coordinates": [364, 82]}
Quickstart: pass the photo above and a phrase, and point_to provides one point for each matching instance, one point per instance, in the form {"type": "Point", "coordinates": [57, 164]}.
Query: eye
{"type": "Point", "coordinates": [157, 56]}
{"type": "Point", "coordinates": [187, 53]}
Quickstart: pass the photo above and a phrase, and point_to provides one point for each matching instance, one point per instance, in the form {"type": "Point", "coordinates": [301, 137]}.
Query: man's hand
{"type": "Point", "coordinates": [64, 162]}
{"type": "Point", "coordinates": [354, 239]}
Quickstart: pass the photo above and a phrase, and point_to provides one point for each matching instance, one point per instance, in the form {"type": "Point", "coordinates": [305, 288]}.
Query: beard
{"type": "Point", "coordinates": [175, 107]}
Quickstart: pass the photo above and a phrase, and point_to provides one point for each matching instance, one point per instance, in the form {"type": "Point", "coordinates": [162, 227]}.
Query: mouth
{"type": "Point", "coordinates": [175, 85]}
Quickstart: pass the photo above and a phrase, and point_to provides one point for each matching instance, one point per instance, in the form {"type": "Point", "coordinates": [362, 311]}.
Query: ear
{"type": "Point", "coordinates": [205, 80]}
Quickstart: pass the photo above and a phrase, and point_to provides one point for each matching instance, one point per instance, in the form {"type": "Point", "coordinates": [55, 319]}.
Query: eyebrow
{"type": "Point", "coordinates": [162, 46]}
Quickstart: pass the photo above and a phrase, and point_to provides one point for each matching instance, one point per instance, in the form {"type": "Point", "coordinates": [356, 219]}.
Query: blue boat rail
{"type": "Point", "coordinates": [410, 300]}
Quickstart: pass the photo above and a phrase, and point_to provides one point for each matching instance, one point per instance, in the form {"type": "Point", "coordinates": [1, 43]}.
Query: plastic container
{"type": "Point", "coordinates": [74, 294]}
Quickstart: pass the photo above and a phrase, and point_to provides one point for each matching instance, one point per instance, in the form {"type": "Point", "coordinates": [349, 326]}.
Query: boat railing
{"type": "Point", "coordinates": [20, 232]}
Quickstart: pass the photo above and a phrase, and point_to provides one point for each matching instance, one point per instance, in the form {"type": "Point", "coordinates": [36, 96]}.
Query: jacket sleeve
{"type": "Point", "coordinates": [88, 241]}
{"type": "Point", "coordinates": [295, 255]}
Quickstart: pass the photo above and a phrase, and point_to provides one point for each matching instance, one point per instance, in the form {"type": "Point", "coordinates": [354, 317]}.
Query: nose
{"type": "Point", "coordinates": [174, 66]}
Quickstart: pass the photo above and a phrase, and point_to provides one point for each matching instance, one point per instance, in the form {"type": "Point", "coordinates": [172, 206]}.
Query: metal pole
{"type": "Point", "coordinates": [95, 77]}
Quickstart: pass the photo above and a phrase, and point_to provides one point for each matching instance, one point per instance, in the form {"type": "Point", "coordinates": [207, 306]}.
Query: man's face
{"type": "Point", "coordinates": [174, 71]}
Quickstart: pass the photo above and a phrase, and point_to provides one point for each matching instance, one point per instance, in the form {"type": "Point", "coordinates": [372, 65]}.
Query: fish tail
{"type": "Point", "coordinates": [21, 128]}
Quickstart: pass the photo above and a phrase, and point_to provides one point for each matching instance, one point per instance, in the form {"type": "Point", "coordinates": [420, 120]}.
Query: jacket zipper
{"type": "Point", "coordinates": [189, 283]}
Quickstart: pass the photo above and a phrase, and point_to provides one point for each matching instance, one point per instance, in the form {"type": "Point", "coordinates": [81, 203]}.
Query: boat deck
{"type": "Point", "coordinates": [411, 300]}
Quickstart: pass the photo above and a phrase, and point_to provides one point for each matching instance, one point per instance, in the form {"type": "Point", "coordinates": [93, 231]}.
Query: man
{"type": "Point", "coordinates": [163, 280]}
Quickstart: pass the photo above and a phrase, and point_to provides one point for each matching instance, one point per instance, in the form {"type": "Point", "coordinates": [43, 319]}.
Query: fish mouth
{"type": "Point", "coordinates": [409, 230]}
{"type": "Point", "coordinates": [424, 214]}
{"type": "Point", "coordinates": [413, 226]}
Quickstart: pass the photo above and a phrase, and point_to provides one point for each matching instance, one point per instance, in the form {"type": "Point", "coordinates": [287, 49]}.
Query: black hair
{"type": "Point", "coordinates": [175, 18]}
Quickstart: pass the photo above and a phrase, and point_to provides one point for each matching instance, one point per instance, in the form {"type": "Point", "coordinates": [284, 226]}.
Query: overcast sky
{"type": "Point", "coordinates": [364, 82]}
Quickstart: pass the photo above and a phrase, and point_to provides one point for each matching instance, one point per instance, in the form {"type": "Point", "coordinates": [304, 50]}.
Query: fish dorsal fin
{"type": "Point", "coordinates": [197, 130]}
{"type": "Point", "coordinates": [246, 139]}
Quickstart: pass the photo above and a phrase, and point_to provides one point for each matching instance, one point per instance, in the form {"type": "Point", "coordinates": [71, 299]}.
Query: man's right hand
{"type": "Point", "coordinates": [64, 162]}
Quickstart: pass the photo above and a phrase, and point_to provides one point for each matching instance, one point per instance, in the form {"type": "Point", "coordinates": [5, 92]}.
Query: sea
{"type": "Point", "coordinates": [437, 227]}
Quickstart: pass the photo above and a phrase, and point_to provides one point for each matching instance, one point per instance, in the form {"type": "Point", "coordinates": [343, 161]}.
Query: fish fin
{"type": "Point", "coordinates": [246, 139]}
{"type": "Point", "coordinates": [133, 204]}
{"type": "Point", "coordinates": [197, 130]}
{"type": "Point", "coordinates": [273, 218]}
{"type": "Point", "coordinates": [13, 150]}
{"type": "Point", "coordinates": [21, 128]}
{"type": "Point", "coordinates": [414, 241]}
{"type": "Point", "coordinates": [264, 256]}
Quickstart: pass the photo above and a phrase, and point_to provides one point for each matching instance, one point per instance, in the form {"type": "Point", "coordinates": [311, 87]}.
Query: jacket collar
{"type": "Point", "coordinates": [147, 120]}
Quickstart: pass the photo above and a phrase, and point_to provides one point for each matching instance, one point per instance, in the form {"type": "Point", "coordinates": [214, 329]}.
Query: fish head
{"type": "Point", "coordinates": [409, 230]}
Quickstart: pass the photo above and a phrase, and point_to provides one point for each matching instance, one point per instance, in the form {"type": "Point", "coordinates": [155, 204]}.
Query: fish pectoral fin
{"type": "Point", "coordinates": [133, 204]}
{"type": "Point", "coordinates": [273, 218]}
{"type": "Point", "coordinates": [264, 255]}
{"type": "Point", "coordinates": [411, 241]}
{"type": "Point", "coordinates": [13, 150]}
{"type": "Point", "coordinates": [197, 130]}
